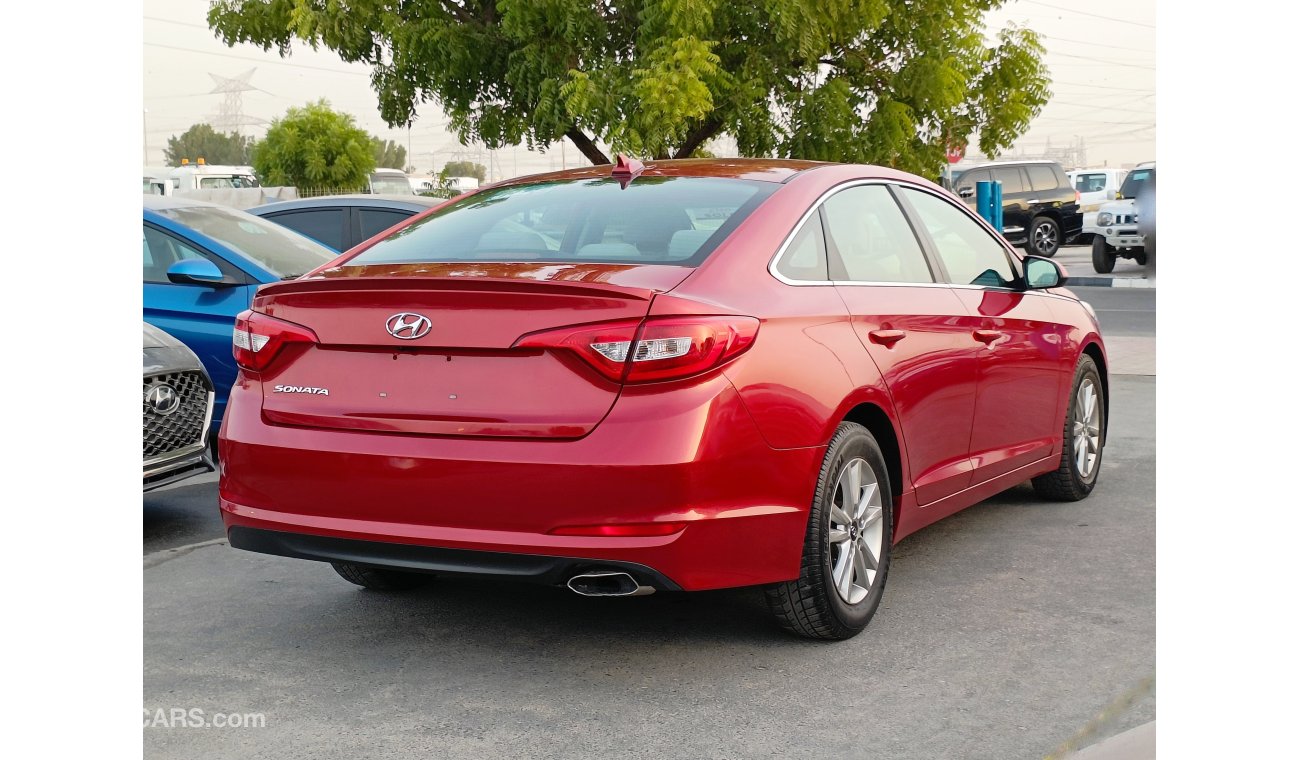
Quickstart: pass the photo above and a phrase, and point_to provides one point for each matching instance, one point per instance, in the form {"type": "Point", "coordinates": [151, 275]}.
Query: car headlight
{"type": "Point", "coordinates": [1105, 218]}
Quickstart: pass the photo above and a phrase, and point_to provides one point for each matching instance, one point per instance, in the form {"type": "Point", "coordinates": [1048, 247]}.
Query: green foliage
{"type": "Point", "coordinates": [315, 147]}
{"type": "Point", "coordinates": [202, 141]}
{"type": "Point", "coordinates": [882, 81]}
{"type": "Point", "coordinates": [465, 169]}
{"type": "Point", "coordinates": [388, 154]}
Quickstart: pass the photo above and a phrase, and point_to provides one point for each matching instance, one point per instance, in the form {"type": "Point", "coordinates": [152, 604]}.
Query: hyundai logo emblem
{"type": "Point", "coordinates": [408, 326]}
{"type": "Point", "coordinates": [162, 399]}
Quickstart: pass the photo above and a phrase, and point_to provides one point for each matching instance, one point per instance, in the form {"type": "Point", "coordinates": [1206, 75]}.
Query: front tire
{"type": "Point", "coordinates": [1044, 237]}
{"type": "Point", "coordinates": [846, 545]}
{"type": "Point", "coordinates": [376, 579]}
{"type": "Point", "coordinates": [1083, 438]}
{"type": "Point", "coordinates": [1103, 256]}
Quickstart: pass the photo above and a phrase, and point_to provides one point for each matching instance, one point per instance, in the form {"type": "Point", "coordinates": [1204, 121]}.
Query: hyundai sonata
{"type": "Point", "coordinates": [681, 375]}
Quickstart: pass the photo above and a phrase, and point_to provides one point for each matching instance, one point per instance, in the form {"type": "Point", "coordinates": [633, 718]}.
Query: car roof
{"type": "Point", "coordinates": [404, 202]}
{"type": "Point", "coordinates": [765, 169]}
{"type": "Point", "coordinates": [160, 202]}
{"type": "Point", "coordinates": [1017, 162]}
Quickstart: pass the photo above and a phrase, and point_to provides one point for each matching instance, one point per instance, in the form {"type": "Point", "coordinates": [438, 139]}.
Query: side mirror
{"type": "Point", "coordinates": [965, 192]}
{"type": "Point", "coordinates": [197, 272]}
{"type": "Point", "coordinates": [1043, 273]}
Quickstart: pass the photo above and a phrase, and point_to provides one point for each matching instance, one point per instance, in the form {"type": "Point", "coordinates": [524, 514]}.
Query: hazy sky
{"type": "Point", "coordinates": [1103, 72]}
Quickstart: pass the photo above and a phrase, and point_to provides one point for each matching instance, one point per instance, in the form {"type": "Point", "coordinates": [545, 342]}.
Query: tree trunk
{"type": "Point", "coordinates": [698, 136]}
{"type": "Point", "coordinates": [588, 148]}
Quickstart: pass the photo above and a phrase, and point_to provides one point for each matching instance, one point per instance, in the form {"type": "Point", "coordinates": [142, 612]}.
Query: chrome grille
{"type": "Point", "coordinates": [164, 434]}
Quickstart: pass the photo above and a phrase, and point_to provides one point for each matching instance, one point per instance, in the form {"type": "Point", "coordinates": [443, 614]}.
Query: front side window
{"type": "Point", "coordinates": [970, 254]}
{"type": "Point", "coordinates": [654, 220]}
{"type": "Point", "coordinates": [872, 238]}
{"type": "Point", "coordinates": [162, 250]}
{"type": "Point", "coordinates": [324, 225]}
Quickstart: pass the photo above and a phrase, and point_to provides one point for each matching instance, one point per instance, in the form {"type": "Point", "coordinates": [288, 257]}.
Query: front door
{"type": "Point", "coordinates": [1017, 418]}
{"type": "Point", "coordinates": [201, 317]}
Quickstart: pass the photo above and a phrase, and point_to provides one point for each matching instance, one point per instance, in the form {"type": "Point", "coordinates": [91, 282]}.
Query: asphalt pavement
{"type": "Point", "coordinates": [1004, 632]}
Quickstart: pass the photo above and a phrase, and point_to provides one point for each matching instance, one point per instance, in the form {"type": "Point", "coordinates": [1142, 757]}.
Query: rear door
{"type": "Point", "coordinates": [1017, 413]}
{"type": "Point", "coordinates": [914, 328]}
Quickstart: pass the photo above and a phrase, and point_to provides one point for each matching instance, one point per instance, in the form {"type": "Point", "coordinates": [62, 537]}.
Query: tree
{"type": "Point", "coordinates": [388, 154]}
{"type": "Point", "coordinates": [202, 141]}
{"type": "Point", "coordinates": [881, 81]}
{"type": "Point", "coordinates": [315, 147]}
{"type": "Point", "coordinates": [465, 169]}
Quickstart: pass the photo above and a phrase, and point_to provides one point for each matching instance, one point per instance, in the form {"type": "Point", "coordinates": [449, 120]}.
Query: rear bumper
{"type": "Point", "coordinates": [689, 455]}
{"type": "Point", "coordinates": [534, 568]}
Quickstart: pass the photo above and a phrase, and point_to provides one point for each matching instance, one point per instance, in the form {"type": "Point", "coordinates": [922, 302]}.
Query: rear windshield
{"type": "Point", "coordinates": [654, 220]}
{"type": "Point", "coordinates": [388, 184]}
{"type": "Point", "coordinates": [277, 249]}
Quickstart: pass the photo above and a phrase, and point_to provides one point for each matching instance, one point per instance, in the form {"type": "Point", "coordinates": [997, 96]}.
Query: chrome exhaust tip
{"type": "Point", "coordinates": [607, 583]}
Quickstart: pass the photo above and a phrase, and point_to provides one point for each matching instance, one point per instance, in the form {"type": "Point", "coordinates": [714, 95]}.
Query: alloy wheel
{"type": "Point", "coordinates": [1087, 428]}
{"type": "Point", "coordinates": [856, 531]}
{"type": "Point", "coordinates": [1045, 238]}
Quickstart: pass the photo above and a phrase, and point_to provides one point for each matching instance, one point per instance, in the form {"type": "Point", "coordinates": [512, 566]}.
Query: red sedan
{"type": "Point", "coordinates": [679, 376]}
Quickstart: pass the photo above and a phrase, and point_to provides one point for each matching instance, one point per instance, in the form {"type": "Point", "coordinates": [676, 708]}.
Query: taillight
{"type": "Point", "coordinates": [661, 348]}
{"type": "Point", "coordinates": [258, 338]}
{"type": "Point", "coordinates": [1077, 197]}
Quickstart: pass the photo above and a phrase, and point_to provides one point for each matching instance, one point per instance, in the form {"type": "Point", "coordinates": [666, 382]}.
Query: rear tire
{"type": "Point", "coordinates": [1085, 428]}
{"type": "Point", "coordinates": [1044, 237]}
{"type": "Point", "coordinates": [380, 580]}
{"type": "Point", "coordinates": [822, 603]}
{"type": "Point", "coordinates": [1103, 256]}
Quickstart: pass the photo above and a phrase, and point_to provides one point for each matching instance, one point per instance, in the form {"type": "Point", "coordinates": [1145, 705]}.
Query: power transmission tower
{"type": "Point", "coordinates": [230, 116]}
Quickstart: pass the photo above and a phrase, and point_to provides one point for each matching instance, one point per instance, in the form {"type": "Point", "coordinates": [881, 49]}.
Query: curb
{"type": "Point", "coordinates": [1110, 282]}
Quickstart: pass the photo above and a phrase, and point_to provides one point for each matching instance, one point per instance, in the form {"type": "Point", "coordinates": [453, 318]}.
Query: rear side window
{"type": "Point", "coordinates": [1043, 177]}
{"type": "Point", "coordinates": [969, 253]}
{"type": "Point", "coordinates": [805, 258]}
{"type": "Point", "coordinates": [872, 239]}
{"type": "Point", "coordinates": [1011, 178]}
{"type": "Point", "coordinates": [654, 220]}
{"type": "Point", "coordinates": [323, 225]}
{"type": "Point", "coordinates": [376, 220]}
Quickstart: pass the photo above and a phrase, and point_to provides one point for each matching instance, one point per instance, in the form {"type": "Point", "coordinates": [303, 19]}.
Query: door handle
{"type": "Point", "coordinates": [886, 338]}
{"type": "Point", "coordinates": [987, 337]}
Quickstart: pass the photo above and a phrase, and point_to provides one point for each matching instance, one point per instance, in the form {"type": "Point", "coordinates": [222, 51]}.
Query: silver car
{"type": "Point", "coordinates": [178, 399]}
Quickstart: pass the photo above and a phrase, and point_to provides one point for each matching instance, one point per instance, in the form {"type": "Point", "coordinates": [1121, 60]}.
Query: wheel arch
{"type": "Point", "coordinates": [1093, 349]}
{"type": "Point", "coordinates": [871, 416]}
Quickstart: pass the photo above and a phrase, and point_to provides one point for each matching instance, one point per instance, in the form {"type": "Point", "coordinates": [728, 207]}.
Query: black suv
{"type": "Point", "coordinates": [1040, 209]}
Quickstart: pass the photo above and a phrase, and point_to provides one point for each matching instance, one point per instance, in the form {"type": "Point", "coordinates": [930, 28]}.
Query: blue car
{"type": "Point", "coordinates": [202, 264]}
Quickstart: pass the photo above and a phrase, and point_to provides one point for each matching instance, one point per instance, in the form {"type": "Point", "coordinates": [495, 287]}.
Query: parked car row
{"type": "Point", "coordinates": [1040, 206]}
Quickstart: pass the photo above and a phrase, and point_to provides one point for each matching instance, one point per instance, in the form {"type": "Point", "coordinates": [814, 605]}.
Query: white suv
{"type": "Point", "coordinates": [1116, 233]}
